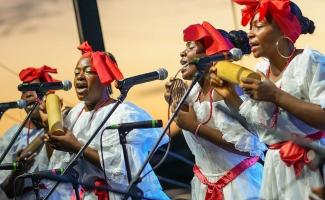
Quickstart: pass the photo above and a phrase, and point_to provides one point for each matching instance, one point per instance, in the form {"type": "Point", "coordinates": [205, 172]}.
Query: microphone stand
{"type": "Point", "coordinates": [137, 179]}
{"type": "Point", "coordinates": [14, 138]}
{"type": "Point", "coordinates": [73, 181]}
{"type": "Point", "coordinates": [120, 99]}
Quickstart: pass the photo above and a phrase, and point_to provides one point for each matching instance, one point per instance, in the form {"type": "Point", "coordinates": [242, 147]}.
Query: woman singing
{"type": "Point", "coordinates": [288, 100]}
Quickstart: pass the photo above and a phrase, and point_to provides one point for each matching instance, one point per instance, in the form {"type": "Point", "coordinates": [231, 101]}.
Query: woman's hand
{"type": "Point", "coordinates": [261, 90]}
{"type": "Point", "coordinates": [66, 142]}
{"type": "Point", "coordinates": [43, 114]}
{"type": "Point", "coordinates": [223, 88]}
{"type": "Point", "coordinates": [27, 160]}
{"type": "Point", "coordinates": [187, 120]}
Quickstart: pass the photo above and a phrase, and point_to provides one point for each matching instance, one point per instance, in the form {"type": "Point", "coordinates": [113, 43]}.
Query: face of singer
{"type": "Point", "coordinates": [263, 36]}
{"type": "Point", "coordinates": [30, 97]}
{"type": "Point", "coordinates": [194, 49]}
{"type": "Point", "coordinates": [87, 83]}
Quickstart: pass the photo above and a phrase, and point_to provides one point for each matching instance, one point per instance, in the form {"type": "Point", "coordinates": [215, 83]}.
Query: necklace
{"type": "Point", "coordinates": [276, 112]}
{"type": "Point", "coordinates": [97, 107]}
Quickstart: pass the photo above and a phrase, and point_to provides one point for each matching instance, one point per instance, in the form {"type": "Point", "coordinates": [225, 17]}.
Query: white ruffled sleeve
{"type": "Point", "coordinates": [315, 78]}
{"type": "Point", "coordinates": [236, 134]}
{"type": "Point", "coordinates": [257, 112]}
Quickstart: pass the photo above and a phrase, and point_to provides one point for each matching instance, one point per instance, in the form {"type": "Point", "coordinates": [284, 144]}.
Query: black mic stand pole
{"type": "Point", "coordinates": [120, 99]}
{"type": "Point", "coordinates": [137, 179]}
{"type": "Point", "coordinates": [122, 132]}
{"type": "Point", "coordinates": [14, 138]}
{"type": "Point", "coordinates": [1, 113]}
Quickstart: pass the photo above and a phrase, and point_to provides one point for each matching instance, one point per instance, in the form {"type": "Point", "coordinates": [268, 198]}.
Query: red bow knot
{"type": "Point", "coordinates": [32, 73]}
{"type": "Point", "coordinates": [213, 40]}
{"type": "Point", "coordinates": [294, 155]}
{"type": "Point", "coordinates": [279, 10]}
{"type": "Point", "coordinates": [105, 67]}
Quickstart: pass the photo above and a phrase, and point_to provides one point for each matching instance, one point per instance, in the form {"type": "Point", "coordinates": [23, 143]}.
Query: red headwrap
{"type": "Point", "coordinates": [105, 67]}
{"type": "Point", "coordinates": [31, 73]}
{"type": "Point", "coordinates": [279, 10]}
{"type": "Point", "coordinates": [213, 40]}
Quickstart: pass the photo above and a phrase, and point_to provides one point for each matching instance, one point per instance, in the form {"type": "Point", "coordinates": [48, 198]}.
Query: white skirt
{"type": "Point", "coordinates": [280, 181]}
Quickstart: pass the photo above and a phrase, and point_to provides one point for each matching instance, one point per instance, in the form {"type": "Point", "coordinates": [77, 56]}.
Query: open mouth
{"type": "Point", "coordinates": [30, 105]}
{"type": "Point", "coordinates": [253, 45]}
{"type": "Point", "coordinates": [185, 67]}
{"type": "Point", "coordinates": [81, 87]}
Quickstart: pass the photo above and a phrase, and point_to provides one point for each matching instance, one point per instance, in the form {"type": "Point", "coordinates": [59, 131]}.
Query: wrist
{"type": "Point", "coordinates": [192, 126]}
{"type": "Point", "coordinates": [230, 94]}
{"type": "Point", "coordinates": [278, 95]}
{"type": "Point", "coordinates": [77, 147]}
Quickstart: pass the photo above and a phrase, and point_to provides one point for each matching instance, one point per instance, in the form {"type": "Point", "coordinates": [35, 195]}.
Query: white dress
{"type": "Point", "coordinates": [304, 78]}
{"type": "Point", "coordinates": [215, 162]}
{"type": "Point", "coordinates": [139, 143]}
{"type": "Point", "coordinates": [41, 160]}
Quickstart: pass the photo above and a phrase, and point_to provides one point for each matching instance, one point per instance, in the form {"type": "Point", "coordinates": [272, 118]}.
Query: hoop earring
{"type": "Point", "coordinates": [277, 47]}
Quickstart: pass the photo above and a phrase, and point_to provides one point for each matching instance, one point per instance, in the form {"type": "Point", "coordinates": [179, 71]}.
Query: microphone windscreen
{"type": "Point", "coordinates": [67, 85]}
{"type": "Point", "coordinates": [53, 109]}
{"type": "Point", "coordinates": [21, 103]}
{"type": "Point", "coordinates": [236, 53]}
{"type": "Point", "coordinates": [163, 73]}
{"type": "Point", "coordinates": [233, 73]}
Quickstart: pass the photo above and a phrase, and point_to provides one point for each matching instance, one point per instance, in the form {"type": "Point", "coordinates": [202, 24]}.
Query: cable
{"type": "Point", "coordinates": [102, 155]}
{"type": "Point", "coordinates": [169, 133]}
{"type": "Point", "coordinates": [179, 157]}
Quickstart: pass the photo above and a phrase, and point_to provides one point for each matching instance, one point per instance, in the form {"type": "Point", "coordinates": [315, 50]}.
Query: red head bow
{"type": "Point", "coordinates": [31, 73]}
{"type": "Point", "coordinates": [213, 40]}
{"type": "Point", "coordinates": [105, 67]}
{"type": "Point", "coordinates": [279, 10]}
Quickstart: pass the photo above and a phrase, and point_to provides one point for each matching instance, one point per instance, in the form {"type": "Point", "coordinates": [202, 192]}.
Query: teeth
{"type": "Point", "coordinates": [185, 66]}
{"type": "Point", "coordinates": [80, 90]}
{"type": "Point", "coordinates": [30, 106]}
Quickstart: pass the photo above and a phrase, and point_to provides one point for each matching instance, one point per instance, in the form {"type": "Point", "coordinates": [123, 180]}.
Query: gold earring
{"type": "Point", "coordinates": [277, 47]}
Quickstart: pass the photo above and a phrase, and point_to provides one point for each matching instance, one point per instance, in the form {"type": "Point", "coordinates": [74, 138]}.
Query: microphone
{"type": "Point", "coordinates": [136, 125]}
{"type": "Point", "coordinates": [11, 166]}
{"type": "Point", "coordinates": [233, 54]}
{"type": "Point", "coordinates": [13, 104]}
{"type": "Point", "coordinates": [46, 174]}
{"type": "Point", "coordinates": [46, 86]}
{"type": "Point", "coordinates": [160, 74]}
